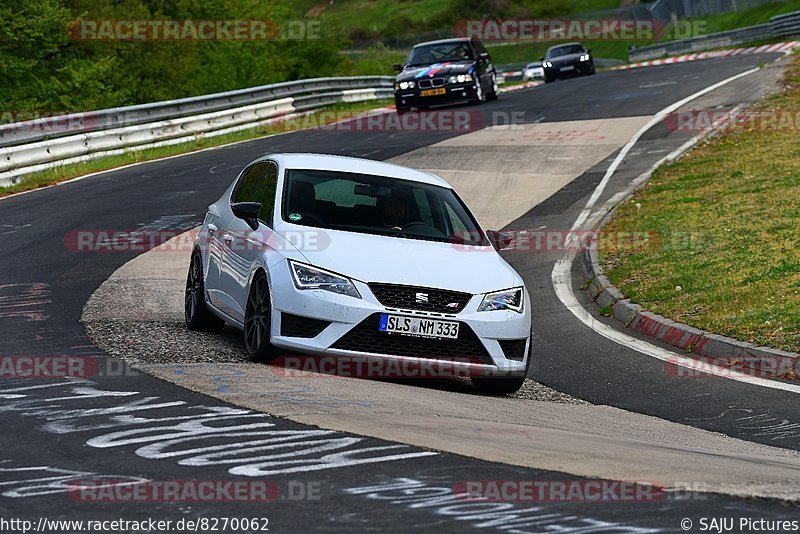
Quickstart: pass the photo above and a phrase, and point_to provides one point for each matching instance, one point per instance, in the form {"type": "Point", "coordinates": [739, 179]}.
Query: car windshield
{"type": "Point", "coordinates": [564, 50]}
{"type": "Point", "coordinates": [438, 53]}
{"type": "Point", "coordinates": [378, 205]}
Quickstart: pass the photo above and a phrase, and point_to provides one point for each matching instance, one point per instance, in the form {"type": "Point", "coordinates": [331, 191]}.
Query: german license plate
{"type": "Point", "coordinates": [418, 326]}
{"type": "Point", "coordinates": [567, 67]}
{"type": "Point", "coordinates": [433, 92]}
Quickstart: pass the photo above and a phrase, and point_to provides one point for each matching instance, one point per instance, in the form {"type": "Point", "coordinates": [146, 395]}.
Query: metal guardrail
{"type": "Point", "coordinates": [778, 26]}
{"type": "Point", "coordinates": [92, 121]}
{"type": "Point", "coordinates": [119, 130]}
{"type": "Point", "coordinates": [785, 25]}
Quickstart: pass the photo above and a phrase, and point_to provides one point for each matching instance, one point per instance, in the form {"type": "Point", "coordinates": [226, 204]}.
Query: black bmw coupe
{"type": "Point", "coordinates": [444, 72]}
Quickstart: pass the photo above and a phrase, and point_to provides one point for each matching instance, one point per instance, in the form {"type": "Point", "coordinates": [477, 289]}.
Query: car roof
{"type": "Point", "coordinates": [445, 41]}
{"type": "Point", "coordinates": [565, 44]}
{"type": "Point", "coordinates": [330, 162]}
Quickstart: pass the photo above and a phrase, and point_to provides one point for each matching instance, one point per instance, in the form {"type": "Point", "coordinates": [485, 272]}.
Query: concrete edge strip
{"type": "Point", "coordinates": [631, 315]}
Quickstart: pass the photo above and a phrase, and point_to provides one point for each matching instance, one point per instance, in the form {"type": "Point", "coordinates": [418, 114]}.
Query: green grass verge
{"type": "Point", "coordinates": [67, 172]}
{"type": "Point", "coordinates": [724, 247]}
{"type": "Point", "coordinates": [749, 17]}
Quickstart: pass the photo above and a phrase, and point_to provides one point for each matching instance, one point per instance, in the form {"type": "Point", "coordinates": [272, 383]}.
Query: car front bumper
{"type": "Point", "coordinates": [353, 330]}
{"type": "Point", "coordinates": [578, 69]}
{"type": "Point", "coordinates": [412, 98]}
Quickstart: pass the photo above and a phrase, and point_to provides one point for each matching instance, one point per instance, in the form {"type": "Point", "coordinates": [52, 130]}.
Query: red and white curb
{"type": "Point", "coordinates": [764, 49]}
{"type": "Point", "coordinates": [519, 86]}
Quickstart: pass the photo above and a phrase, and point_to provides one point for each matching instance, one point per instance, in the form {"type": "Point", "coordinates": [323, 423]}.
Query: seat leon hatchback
{"type": "Point", "coordinates": [344, 257]}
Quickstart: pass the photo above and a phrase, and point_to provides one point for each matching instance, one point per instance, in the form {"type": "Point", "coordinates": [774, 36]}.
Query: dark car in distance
{"type": "Point", "coordinates": [565, 60]}
{"type": "Point", "coordinates": [445, 72]}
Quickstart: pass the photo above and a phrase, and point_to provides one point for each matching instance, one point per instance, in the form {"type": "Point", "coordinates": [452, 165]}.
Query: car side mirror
{"type": "Point", "coordinates": [398, 68]}
{"type": "Point", "coordinates": [541, 58]}
{"type": "Point", "coordinates": [484, 55]}
{"type": "Point", "coordinates": [248, 212]}
{"type": "Point", "coordinates": [499, 240]}
{"type": "Point", "coordinates": [588, 50]}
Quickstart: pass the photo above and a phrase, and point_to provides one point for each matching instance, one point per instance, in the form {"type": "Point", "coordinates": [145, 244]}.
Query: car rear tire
{"type": "Point", "coordinates": [196, 313]}
{"type": "Point", "coordinates": [258, 320]}
{"type": "Point", "coordinates": [492, 95]}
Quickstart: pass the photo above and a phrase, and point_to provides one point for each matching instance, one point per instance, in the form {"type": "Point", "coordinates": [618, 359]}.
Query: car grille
{"type": "Point", "coordinates": [427, 83]}
{"type": "Point", "coordinates": [420, 298]}
{"type": "Point", "coordinates": [299, 326]}
{"type": "Point", "coordinates": [514, 349]}
{"type": "Point", "coordinates": [365, 337]}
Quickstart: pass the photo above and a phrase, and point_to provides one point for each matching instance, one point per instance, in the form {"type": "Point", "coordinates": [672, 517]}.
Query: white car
{"type": "Point", "coordinates": [338, 256]}
{"type": "Point", "coordinates": [533, 71]}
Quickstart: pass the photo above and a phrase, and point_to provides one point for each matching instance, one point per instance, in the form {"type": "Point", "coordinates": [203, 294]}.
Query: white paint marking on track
{"type": "Point", "coordinates": [658, 117]}
{"type": "Point", "coordinates": [561, 278]}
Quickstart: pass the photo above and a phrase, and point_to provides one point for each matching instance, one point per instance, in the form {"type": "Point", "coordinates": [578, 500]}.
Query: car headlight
{"type": "Point", "coordinates": [406, 85]}
{"type": "Point", "coordinates": [547, 64]}
{"type": "Point", "coordinates": [584, 57]}
{"type": "Point", "coordinates": [308, 277]}
{"type": "Point", "coordinates": [461, 78]}
{"type": "Point", "coordinates": [507, 299]}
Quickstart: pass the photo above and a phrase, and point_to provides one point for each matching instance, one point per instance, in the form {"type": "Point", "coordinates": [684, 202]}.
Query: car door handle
{"type": "Point", "coordinates": [212, 228]}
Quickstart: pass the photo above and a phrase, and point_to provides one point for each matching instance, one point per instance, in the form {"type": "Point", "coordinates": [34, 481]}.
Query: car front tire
{"type": "Point", "coordinates": [503, 385]}
{"type": "Point", "coordinates": [196, 313]}
{"type": "Point", "coordinates": [492, 95]}
{"type": "Point", "coordinates": [480, 97]}
{"type": "Point", "coordinates": [258, 320]}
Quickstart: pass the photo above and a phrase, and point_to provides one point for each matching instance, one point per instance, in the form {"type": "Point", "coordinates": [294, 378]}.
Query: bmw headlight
{"type": "Point", "coordinates": [308, 277]}
{"type": "Point", "coordinates": [584, 57]}
{"type": "Point", "coordinates": [507, 299]}
{"type": "Point", "coordinates": [547, 64]}
{"type": "Point", "coordinates": [406, 85]}
{"type": "Point", "coordinates": [461, 78]}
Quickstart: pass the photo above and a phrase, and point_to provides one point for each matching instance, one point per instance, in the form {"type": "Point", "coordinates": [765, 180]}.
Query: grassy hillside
{"type": "Point", "coordinates": [364, 19]}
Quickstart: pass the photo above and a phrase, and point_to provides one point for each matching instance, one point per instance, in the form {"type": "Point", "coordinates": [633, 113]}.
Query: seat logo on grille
{"type": "Point", "coordinates": [422, 297]}
{"type": "Point", "coordinates": [453, 305]}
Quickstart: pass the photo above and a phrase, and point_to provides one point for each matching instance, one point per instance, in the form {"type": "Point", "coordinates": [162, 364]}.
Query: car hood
{"type": "Point", "coordinates": [375, 258]}
{"type": "Point", "coordinates": [435, 69]}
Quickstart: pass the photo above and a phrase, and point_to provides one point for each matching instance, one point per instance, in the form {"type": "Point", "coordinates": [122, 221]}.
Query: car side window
{"type": "Point", "coordinates": [258, 184]}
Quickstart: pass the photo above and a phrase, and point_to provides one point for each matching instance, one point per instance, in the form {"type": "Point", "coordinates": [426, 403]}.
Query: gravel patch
{"type": "Point", "coordinates": [533, 390]}
{"type": "Point", "coordinates": [153, 342]}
